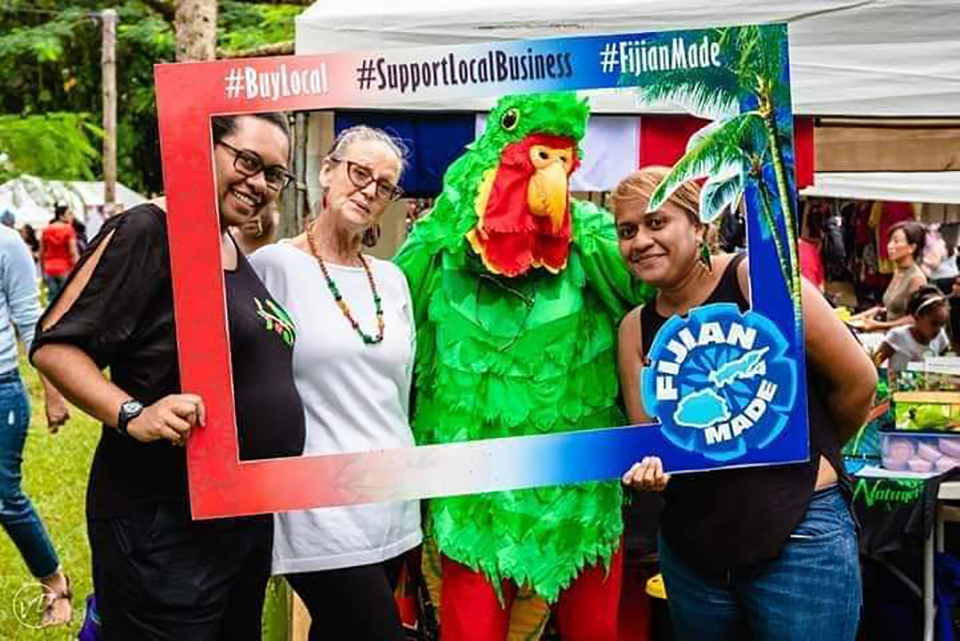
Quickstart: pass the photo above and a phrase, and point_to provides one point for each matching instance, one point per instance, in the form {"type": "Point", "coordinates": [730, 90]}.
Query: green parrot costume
{"type": "Point", "coordinates": [517, 293]}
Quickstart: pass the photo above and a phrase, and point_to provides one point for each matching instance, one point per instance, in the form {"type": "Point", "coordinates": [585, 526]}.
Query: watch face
{"type": "Point", "coordinates": [131, 407]}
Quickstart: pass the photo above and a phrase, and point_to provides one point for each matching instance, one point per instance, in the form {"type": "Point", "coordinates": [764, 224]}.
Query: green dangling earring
{"type": "Point", "coordinates": [705, 257]}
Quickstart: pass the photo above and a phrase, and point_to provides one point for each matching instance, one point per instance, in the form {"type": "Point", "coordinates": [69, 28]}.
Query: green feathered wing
{"type": "Point", "coordinates": [501, 357]}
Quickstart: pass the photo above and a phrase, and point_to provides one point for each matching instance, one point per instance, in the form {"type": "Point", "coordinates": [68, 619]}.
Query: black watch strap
{"type": "Point", "coordinates": [129, 410]}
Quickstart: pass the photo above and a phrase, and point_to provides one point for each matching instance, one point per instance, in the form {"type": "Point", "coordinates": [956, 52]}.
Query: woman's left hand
{"type": "Point", "coordinates": [57, 413]}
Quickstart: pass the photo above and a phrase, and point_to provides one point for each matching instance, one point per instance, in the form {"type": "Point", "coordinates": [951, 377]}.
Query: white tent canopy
{"type": "Point", "coordinates": [904, 186]}
{"type": "Point", "coordinates": [32, 199]}
{"type": "Point", "coordinates": [93, 193]}
{"type": "Point", "coordinates": [848, 57]}
{"type": "Point", "coordinates": [859, 58]}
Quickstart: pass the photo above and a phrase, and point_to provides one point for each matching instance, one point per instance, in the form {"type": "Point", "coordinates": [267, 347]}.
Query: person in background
{"type": "Point", "coordinates": [905, 248]}
{"type": "Point", "coordinates": [29, 235]}
{"type": "Point", "coordinates": [761, 553]}
{"type": "Point", "coordinates": [58, 251]}
{"type": "Point", "coordinates": [353, 364]}
{"type": "Point", "coordinates": [8, 219]}
{"type": "Point", "coordinates": [954, 300]}
{"type": "Point", "coordinates": [259, 231]}
{"type": "Point", "coordinates": [81, 232]}
{"type": "Point", "coordinates": [930, 311]}
{"type": "Point", "coordinates": [732, 230]}
{"type": "Point", "coordinates": [939, 260]}
{"type": "Point", "coordinates": [19, 311]}
{"type": "Point", "coordinates": [159, 574]}
{"type": "Point", "coordinates": [410, 216]}
{"type": "Point", "coordinates": [808, 245]}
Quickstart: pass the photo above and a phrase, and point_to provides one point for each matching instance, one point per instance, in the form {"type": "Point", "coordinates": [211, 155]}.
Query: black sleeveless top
{"type": "Point", "coordinates": [729, 519]}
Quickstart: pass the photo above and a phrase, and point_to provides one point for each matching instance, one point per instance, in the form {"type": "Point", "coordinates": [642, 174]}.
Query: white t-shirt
{"type": "Point", "coordinates": [906, 349]}
{"type": "Point", "coordinates": [356, 398]}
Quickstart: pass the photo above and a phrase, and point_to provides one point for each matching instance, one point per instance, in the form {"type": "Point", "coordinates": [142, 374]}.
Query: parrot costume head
{"type": "Point", "coordinates": [522, 198]}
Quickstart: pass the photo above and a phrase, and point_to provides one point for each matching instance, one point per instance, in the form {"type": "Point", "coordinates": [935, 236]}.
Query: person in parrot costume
{"type": "Point", "coordinates": [517, 292]}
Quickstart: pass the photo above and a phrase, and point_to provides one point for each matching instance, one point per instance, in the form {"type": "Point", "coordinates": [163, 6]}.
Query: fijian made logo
{"type": "Point", "coordinates": [720, 381]}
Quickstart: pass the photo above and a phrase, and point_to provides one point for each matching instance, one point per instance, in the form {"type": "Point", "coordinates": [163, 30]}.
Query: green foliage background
{"type": "Point", "coordinates": [50, 98]}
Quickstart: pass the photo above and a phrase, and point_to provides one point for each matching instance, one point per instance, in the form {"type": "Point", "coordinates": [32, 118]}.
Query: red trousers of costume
{"type": "Point", "coordinates": [586, 611]}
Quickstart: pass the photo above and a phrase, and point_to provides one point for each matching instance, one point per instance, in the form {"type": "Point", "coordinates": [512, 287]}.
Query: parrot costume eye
{"type": "Point", "coordinates": [510, 119]}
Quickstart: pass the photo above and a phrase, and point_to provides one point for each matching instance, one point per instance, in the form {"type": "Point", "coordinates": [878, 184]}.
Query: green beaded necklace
{"type": "Point", "coordinates": [332, 286]}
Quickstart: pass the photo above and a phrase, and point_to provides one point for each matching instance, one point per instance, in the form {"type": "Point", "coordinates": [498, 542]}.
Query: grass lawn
{"type": "Point", "coordinates": [55, 472]}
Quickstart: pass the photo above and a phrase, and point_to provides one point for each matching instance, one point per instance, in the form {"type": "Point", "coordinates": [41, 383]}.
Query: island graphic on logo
{"type": "Point", "coordinates": [720, 381]}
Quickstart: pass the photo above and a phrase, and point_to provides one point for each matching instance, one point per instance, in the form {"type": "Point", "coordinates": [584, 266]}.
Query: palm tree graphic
{"type": "Point", "coordinates": [748, 97]}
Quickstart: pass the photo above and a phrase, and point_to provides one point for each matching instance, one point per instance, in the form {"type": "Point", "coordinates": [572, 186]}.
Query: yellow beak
{"type": "Point", "coordinates": [548, 189]}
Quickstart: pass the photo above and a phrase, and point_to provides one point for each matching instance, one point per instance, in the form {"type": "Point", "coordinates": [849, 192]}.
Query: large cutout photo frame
{"type": "Point", "coordinates": [728, 388]}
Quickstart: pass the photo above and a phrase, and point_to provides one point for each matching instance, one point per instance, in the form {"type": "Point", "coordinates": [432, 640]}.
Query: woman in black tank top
{"type": "Point", "coordinates": [750, 553]}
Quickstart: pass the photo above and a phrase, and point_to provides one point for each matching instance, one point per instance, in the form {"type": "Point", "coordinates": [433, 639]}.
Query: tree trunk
{"type": "Point", "coordinates": [195, 24]}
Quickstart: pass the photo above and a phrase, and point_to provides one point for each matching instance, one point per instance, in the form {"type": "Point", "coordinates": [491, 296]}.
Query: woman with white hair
{"type": "Point", "coordinates": [353, 364]}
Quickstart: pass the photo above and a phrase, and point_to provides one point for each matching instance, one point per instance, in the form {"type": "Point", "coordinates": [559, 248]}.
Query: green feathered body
{"type": "Point", "coordinates": [518, 356]}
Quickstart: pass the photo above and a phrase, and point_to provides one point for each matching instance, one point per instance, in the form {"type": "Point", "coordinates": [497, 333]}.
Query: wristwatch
{"type": "Point", "coordinates": [128, 411]}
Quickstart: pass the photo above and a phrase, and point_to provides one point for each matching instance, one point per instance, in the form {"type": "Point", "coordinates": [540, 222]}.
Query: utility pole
{"type": "Point", "coordinates": [109, 72]}
{"type": "Point", "coordinates": [292, 210]}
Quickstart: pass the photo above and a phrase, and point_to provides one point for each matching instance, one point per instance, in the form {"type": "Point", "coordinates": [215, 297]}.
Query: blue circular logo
{"type": "Point", "coordinates": [720, 381]}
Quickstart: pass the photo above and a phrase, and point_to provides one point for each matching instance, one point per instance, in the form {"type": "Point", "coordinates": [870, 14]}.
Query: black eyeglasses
{"type": "Point", "coordinates": [362, 176]}
{"type": "Point", "coordinates": [250, 164]}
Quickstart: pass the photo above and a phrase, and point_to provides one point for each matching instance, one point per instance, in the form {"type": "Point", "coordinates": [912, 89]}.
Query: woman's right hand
{"type": "Point", "coordinates": [867, 314]}
{"type": "Point", "coordinates": [171, 418]}
{"type": "Point", "coordinates": [647, 475]}
{"type": "Point", "coordinates": [867, 321]}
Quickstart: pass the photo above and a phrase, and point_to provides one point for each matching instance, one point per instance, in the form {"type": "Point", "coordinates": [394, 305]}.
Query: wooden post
{"type": "Point", "coordinates": [108, 63]}
{"type": "Point", "coordinates": [302, 204]}
{"type": "Point", "coordinates": [295, 205]}
{"type": "Point", "coordinates": [289, 209]}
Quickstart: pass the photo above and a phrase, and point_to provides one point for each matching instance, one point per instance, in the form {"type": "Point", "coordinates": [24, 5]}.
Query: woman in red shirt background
{"type": "Point", "coordinates": [58, 250]}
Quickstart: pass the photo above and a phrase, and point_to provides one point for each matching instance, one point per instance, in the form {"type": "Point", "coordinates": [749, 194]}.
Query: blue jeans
{"type": "Point", "coordinates": [811, 591]}
{"type": "Point", "coordinates": [54, 285]}
{"type": "Point", "coordinates": [17, 515]}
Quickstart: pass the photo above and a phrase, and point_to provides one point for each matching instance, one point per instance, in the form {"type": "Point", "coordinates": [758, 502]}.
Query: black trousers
{"type": "Point", "coordinates": [159, 576]}
{"type": "Point", "coordinates": [352, 603]}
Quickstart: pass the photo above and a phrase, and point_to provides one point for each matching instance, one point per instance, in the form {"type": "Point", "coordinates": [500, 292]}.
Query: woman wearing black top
{"type": "Point", "coordinates": [753, 553]}
{"type": "Point", "coordinates": [158, 574]}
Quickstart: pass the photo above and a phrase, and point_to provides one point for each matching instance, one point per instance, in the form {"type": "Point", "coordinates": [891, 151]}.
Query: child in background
{"type": "Point", "coordinates": [925, 337]}
{"type": "Point", "coordinates": [954, 300]}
